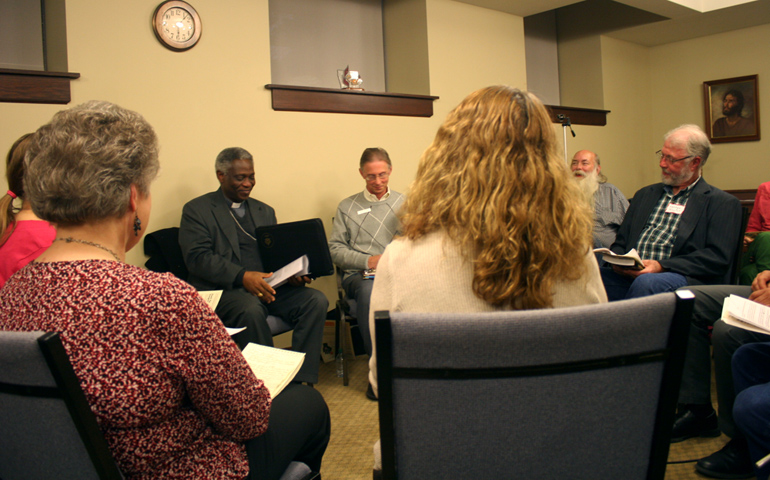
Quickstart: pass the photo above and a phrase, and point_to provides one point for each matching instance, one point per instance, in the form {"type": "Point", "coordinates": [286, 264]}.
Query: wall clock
{"type": "Point", "coordinates": [176, 25]}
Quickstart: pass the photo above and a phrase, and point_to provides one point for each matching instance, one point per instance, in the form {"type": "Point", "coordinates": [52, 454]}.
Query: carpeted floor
{"type": "Point", "coordinates": [355, 424]}
{"type": "Point", "coordinates": [355, 428]}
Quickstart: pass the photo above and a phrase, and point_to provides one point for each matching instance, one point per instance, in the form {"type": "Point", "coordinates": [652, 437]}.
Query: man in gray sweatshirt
{"type": "Point", "coordinates": [364, 225]}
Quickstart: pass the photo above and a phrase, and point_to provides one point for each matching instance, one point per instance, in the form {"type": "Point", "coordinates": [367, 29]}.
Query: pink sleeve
{"type": "Point", "coordinates": [759, 221]}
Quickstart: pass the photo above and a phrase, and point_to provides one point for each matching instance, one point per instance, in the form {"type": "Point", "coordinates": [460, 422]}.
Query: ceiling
{"type": "Point", "coordinates": [644, 22]}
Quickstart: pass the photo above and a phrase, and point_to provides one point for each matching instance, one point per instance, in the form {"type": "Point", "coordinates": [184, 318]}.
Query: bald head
{"type": "Point", "coordinates": [585, 162]}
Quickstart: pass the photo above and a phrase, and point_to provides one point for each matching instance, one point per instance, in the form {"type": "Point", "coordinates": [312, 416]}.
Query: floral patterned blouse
{"type": "Point", "coordinates": [171, 391]}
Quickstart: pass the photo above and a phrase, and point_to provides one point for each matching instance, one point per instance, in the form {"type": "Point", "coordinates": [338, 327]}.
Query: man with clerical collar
{"type": "Point", "coordinates": [217, 236]}
{"type": "Point", "coordinates": [733, 124]}
{"type": "Point", "coordinates": [364, 225]}
{"type": "Point", "coordinates": [609, 203]}
{"type": "Point", "coordinates": [684, 229]}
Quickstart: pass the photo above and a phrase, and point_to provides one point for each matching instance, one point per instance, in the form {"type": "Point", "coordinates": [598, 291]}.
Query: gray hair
{"type": "Point", "coordinates": [695, 143]}
{"type": "Point", "coordinates": [81, 165]}
{"type": "Point", "coordinates": [602, 177]}
{"type": "Point", "coordinates": [374, 153]}
{"type": "Point", "coordinates": [227, 156]}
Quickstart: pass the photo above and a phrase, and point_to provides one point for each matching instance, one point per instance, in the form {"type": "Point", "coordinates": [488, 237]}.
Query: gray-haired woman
{"type": "Point", "coordinates": [172, 393]}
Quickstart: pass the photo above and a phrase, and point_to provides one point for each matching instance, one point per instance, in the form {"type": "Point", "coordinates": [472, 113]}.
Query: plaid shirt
{"type": "Point", "coordinates": [657, 239]}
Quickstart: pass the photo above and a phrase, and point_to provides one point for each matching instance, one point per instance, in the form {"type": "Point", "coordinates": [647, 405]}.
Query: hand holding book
{"type": "Point", "coordinates": [740, 312]}
{"type": "Point", "coordinates": [630, 260]}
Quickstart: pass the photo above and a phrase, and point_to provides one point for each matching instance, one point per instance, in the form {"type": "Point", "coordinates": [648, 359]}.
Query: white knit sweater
{"type": "Point", "coordinates": [430, 275]}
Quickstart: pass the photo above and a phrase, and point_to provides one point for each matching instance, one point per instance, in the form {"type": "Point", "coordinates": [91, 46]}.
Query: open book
{"type": "Point", "coordinates": [282, 275]}
{"type": "Point", "coordinates": [629, 260]}
{"type": "Point", "coordinates": [744, 313]}
{"type": "Point", "coordinates": [274, 366]}
{"type": "Point", "coordinates": [211, 297]}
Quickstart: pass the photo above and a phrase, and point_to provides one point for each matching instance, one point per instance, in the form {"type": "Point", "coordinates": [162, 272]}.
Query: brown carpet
{"type": "Point", "coordinates": [355, 428]}
{"type": "Point", "coordinates": [355, 424]}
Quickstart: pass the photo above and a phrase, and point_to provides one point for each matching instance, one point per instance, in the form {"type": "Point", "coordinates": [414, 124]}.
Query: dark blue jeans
{"type": "Point", "coordinates": [360, 290]}
{"type": "Point", "coordinates": [620, 287]}
{"type": "Point", "coordinates": [751, 410]}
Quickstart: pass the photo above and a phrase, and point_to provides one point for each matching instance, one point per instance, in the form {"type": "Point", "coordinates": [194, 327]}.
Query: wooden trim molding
{"type": "Point", "coordinates": [330, 100]}
{"type": "Point", "coordinates": [579, 116]}
{"type": "Point", "coordinates": [30, 86]}
{"type": "Point", "coordinates": [746, 196]}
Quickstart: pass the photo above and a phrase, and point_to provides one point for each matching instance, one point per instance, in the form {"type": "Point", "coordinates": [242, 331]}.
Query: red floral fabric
{"type": "Point", "coordinates": [171, 391]}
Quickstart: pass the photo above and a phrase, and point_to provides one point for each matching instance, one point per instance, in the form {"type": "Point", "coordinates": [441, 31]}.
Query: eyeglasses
{"type": "Point", "coordinates": [669, 159]}
{"type": "Point", "coordinates": [379, 176]}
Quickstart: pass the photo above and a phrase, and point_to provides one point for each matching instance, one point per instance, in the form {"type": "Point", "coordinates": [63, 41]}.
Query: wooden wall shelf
{"type": "Point", "coordinates": [330, 100]}
{"type": "Point", "coordinates": [579, 116]}
{"type": "Point", "coordinates": [30, 86]}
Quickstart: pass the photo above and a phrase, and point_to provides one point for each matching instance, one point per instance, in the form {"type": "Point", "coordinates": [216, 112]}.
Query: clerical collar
{"type": "Point", "coordinates": [233, 205]}
{"type": "Point", "coordinates": [238, 207]}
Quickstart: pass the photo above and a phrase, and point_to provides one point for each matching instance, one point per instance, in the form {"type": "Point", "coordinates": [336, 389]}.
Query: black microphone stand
{"type": "Point", "coordinates": [565, 122]}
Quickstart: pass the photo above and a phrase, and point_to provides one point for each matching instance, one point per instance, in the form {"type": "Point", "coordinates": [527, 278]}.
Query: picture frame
{"type": "Point", "coordinates": [731, 106]}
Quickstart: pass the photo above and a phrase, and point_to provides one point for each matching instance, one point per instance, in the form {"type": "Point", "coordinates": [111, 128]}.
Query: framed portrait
{"type": "Point", "coordinates": [732, 109]}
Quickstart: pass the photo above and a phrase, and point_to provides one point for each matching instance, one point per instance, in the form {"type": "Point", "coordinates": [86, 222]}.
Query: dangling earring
{"type": "Point", "coordinates": [137, 225]}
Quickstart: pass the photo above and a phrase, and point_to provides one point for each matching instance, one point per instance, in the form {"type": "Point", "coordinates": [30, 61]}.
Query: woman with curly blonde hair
{"type": "Point", "coordinates": [493, 220]}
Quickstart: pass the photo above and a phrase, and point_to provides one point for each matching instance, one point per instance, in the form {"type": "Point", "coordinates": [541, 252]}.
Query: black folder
{"type": "Point", "coordinates": [285, 242]}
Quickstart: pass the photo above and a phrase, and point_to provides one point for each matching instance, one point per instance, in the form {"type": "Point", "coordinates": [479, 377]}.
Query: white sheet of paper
{"type": "Point", "coordinates": [750, 312]}
{"type": "Point", "coordinates": [233, 331]}
{"type": "Point", "coordinates": [211, 297]}
{"type": "Point", "coordinates": [754, 316]}
{"type": "Point", "coordinates": [299, 266]}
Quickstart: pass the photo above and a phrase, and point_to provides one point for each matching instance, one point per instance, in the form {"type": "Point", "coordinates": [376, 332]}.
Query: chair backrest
{"type": "Point", "coordinates": [580, 393]}
{"type": "Point", "coordinates": [735, 267]}
{"type": "Point", "coordinates": [162, 246]}
{"type": "Point", "coordinates": [48, 429]}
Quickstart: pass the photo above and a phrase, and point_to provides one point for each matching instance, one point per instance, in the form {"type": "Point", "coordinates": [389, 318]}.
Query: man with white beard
{"type": "Point", "coordinates": [685, 230]}
{"type": "Point", "coordinates": [610, 204]}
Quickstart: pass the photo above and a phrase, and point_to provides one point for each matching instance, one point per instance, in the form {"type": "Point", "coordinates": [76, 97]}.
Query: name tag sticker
{"type": "Point", "coordinates": [675, 209]}
{"type": "Point", "coordinates": [367, 210]}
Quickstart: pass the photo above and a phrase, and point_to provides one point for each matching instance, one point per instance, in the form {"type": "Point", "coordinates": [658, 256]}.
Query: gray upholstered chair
{"type": "Point", "coordinates": [48, 428]}
{"type": "Point", "coordinates": [580, 393]}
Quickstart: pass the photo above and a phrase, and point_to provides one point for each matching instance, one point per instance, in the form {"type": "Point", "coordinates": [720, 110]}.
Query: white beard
{"type": "Point", "coordinates": [672, 180]}
{"type": "Point", "coordinates": [588, 183]}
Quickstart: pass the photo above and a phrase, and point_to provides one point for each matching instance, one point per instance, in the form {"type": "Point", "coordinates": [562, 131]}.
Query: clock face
{"type": "Point", "coordinates": [176, 25]}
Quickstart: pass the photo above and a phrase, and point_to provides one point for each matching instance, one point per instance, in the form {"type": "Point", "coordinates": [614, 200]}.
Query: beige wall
{"type": "Point", "coordinates": [470, 48]}
{"type": "Point", "coordinates": [405, 28]}
{"type": "Point", "coordinates": [580, 72]}
{"type": "Point", "coordinates": [651, 90]}
{"type": "Point", "coordinates": [623, 142]}
{"type": "Point", "coordinates": [677, 95]}
{"type": "Point", "coordinates": [213, 96]}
